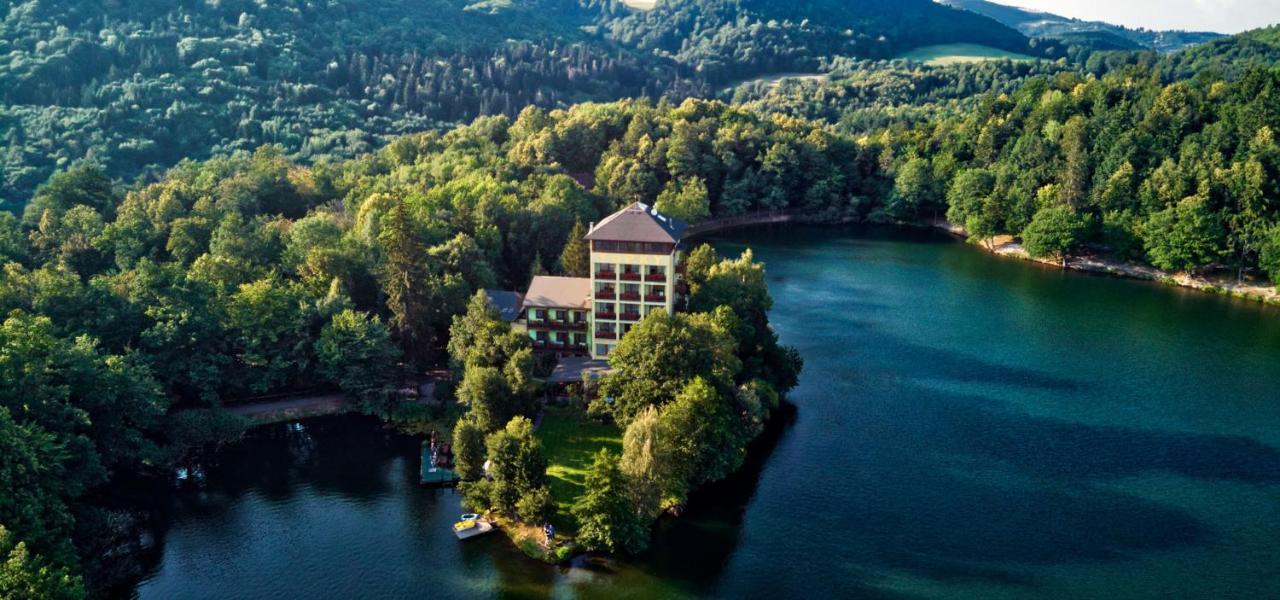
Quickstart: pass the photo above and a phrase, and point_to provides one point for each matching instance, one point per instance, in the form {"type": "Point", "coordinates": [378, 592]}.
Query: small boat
{"type": "Point", "coordinates": [471, 527]}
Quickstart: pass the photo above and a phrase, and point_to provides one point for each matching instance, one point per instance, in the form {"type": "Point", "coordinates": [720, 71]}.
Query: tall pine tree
{"type": "Point", "coordinates": [575, 259]}
{"type": "Point", "coordinates": [406, 281]}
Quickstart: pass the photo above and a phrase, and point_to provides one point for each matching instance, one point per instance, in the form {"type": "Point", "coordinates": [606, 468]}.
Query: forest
{"type": "Point", "coordinates": [134, 314]}
{"type": "Point", "coordinates": [210, 201]}
{"type": "Point", "coordinates": [1139, 163]}
{"type": "Point", "coordinates": [135, 86]}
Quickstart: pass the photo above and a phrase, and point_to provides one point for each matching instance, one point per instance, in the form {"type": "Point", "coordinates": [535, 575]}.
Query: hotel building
{"type": "Point", "coordinates": [636, 266]}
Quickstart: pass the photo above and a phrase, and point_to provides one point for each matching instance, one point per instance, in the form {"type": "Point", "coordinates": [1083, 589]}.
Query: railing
{"type": "Point", "coordinates": [655, 277]}
{"type": "Point", "coordinates": [606, 335]}
{"type": "Point", "coordinates": [631, 277]}
{"type": "Point", "coordinates": [757, 218]}
{"type": "Point", "coordinates": [655, 298]}
{"type": "Point", "coordinates": [630, 295]}
{"type": "Point", "coordinates": [630, 316]}
{"type": "Point", "coordinates": [608, 316]}
{"type": "Point", "coordinates": [606, 295]}
{"type": "Point", "coordinates": [606, 275]}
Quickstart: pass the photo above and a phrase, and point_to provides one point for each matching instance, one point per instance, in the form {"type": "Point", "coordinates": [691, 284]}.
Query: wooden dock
{"type": "Point", "coordinates": [431, 475]}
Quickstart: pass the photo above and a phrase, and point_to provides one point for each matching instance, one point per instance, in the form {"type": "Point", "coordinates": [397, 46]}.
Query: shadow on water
{"type": "Point", "coordinates": [922, 362]}
{"type": "Point", "coordinates": [990, 493]}
{"type": "Point", "coordinates": [694, 549]}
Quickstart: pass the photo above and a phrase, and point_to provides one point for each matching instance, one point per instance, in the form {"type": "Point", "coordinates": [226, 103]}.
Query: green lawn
{"type": "Point", "coordinates": [641, 4]}
{"type": "Point", "coordinates": [950, 54]}
{"type": "Point", "coordinates": [570, 441]}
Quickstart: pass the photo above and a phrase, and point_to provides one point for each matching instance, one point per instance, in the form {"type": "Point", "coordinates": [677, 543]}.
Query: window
{"type": "Point", "coordinates": [633, 247]}
{"type": "Point", "coordinates": [602, 349]}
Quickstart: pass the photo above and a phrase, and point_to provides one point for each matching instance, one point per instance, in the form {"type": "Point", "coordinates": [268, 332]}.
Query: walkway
{"type": "Point", "coordinates": [295, 407]}
{"type": "Point", "coordinates": [757, 218]}
{"type": "Point", "coordinates": [290, 408]}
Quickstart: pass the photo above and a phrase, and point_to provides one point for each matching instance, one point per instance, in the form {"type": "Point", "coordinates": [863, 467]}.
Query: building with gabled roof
{"type": "Point", "coordinates": [636, 265]}
{"type": "Point", "coordinates": [638, 223]}
{"type": "Point", "coordinates": [508, 304]}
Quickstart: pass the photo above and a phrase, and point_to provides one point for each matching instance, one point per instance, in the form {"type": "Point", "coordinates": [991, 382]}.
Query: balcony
{"type": "Point", "coordinates": [606, 295]}
{"type": "Point", "coordinates": [631, 296]}
{"type": "Point", "coordinates": [659, 277]}
{"type": "Point", "coordinates": [655, 298]}
{"type": "Point", "coordinates": [630, 316]}
{"type": "Point", "coordinates": [606, 275]}
{"type": "Point", "coordinates": [608, 316]}
{"type": "Point", "coordinates": [631, 277]}
{"type": "Point", "coordinates": [576, 325]}
{"type": "Point", "coordinates": [606, 335]}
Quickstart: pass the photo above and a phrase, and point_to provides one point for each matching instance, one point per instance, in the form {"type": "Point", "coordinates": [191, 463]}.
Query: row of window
{"type": "Point", "coordinates": [633, 247]}
{"type": "Point", "coordinates": [612, 310]}
{"type": "Point", "coordinates": [627, 271]}
{"type": "Point", "coordinates": [556, 314]}
{"type": "Point", "coordinates": [542, 339]}
{"type": "Point", "coordinates": [632, 291]}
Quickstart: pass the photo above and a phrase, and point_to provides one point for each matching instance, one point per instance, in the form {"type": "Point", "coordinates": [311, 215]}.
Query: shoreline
{"type": "Point", "coordinates": [1006, 246]}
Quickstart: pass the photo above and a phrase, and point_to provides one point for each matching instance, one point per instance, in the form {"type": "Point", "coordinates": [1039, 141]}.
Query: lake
{"type": "Point", "coordinates": [966, 426]}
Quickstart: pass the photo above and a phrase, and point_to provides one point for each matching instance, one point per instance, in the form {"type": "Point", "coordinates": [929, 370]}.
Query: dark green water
{"type": "Point", "coordinates": [966, 427]}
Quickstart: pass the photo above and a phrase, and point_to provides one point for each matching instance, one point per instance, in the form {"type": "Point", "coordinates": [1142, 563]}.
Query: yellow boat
{"type": "Point", "coordinates": [469, 528]}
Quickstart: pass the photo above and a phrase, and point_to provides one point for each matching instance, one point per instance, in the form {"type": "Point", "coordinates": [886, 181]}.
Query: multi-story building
{"type": "Point", "coordinates": [554, 313]}
{"type": "Point", "coordinates": [636, 264]}
{"type": "Point", "coordinates": [635, 254]}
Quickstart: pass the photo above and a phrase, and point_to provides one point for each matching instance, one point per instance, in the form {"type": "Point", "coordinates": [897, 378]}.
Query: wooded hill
{"type": "Point", "coordinates": [134, 86]}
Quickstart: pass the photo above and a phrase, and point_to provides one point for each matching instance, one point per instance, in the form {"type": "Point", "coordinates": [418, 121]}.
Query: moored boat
{"type": "Point", "coordinates": [471, 526]}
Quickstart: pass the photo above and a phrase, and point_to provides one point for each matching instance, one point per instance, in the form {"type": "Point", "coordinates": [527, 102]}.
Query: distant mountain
{"type": "Point", "coordinates": [736, 39]}
{"type": "Point", "coordinates": [1100, 35]}
{"type": "Point", "coordinates": [134, 84]}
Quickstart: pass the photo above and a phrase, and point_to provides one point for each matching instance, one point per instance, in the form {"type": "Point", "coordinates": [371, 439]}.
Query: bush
{"type": "Point", "coordinates": [193, 428]}
{"type": "Point", "coordinates": [475, 494]}
{"type": "Point", "coordinates": [535, 506]}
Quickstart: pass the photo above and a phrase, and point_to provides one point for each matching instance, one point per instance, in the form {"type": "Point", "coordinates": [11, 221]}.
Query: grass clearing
{"type": "Point", "coordinates": [951, 54]}
{"type": "Point", "coordinates": [570, 441]}
{"type": "Point", "coordinates": [641, 4]}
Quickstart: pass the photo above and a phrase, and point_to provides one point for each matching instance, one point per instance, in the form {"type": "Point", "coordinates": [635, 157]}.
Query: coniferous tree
{"type": "Point", "coordinates": [575, 259]}
{"type": "Point", "coordinates": [607, 518]}
{"type": "Point", "coordinates": [406, 283]}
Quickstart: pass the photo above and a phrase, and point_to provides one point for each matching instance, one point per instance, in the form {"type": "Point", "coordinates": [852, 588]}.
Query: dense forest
{"type": "Point", "coordinates": [1183, 174]}
{"type": "Point", "coordinates": [135, 86]}
{"type": "Point", "coordinates": [330, 229]}
{"type": "Point", "coordinates": [133, 315]}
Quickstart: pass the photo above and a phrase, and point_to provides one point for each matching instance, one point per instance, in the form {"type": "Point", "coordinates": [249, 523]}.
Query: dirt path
{"type": "Point", "coordinates": [300, 407]}
{"type": "Point", "coordinates": [292, 408]}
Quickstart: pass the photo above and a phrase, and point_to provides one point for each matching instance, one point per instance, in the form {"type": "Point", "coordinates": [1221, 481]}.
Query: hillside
{"type": "Point", "coordinates": [727, 40]}
{"type": "Point", "coordinates": [1047, 25]}
{"type": "Point", "coordinates": [133, 86]}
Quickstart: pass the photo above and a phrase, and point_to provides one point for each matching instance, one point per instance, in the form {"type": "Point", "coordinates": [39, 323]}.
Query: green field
{"type": "Point", "coordinates": [641, 4]}
{"type": "Point", "coordinates": [570, 442]}
{"type": "Point", "coordinates": [950, 54]}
